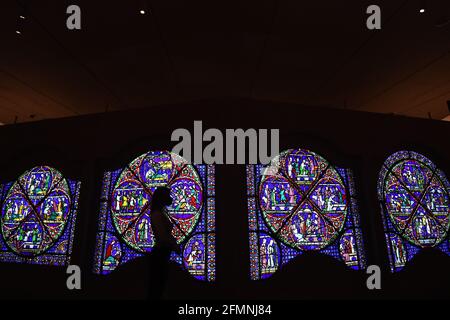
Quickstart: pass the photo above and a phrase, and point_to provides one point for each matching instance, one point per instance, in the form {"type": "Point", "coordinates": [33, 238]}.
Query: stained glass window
{"type": "Point", "coordinates": [38, 213]}
{"type": "Point", "coordinates": [297, 203]}
{"type": "Point", "coordinates": [124, 225]}
{"type": "Point", "coordinates": [414, 198]}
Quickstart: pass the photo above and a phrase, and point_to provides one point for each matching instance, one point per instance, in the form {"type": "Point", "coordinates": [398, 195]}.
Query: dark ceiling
{"type": "Point", "coordinates": [316, 53]}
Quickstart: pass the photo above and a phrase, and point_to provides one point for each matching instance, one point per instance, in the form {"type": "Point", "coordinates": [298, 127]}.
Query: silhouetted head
{"type": "Point", "coordinates": [161, 198]}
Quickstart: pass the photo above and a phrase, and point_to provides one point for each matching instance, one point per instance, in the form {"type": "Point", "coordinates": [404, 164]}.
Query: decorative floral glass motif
{"type": "Point", "coordinates": [414, 197]}
{"type": "Point", "coordinates": [38, 215]}
{"type": "Point", "coordinates": [299, 202]}
{"type": "Point", "coordinates": [125, 228]}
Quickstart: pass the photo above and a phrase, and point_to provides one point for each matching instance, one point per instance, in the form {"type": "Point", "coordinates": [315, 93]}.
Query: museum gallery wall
{"type": "Point", "coordinates": [347, 190]}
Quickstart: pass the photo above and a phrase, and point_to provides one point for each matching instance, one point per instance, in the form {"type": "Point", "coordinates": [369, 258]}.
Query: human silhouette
{"type": "Point", "coordinates": [165, 243]}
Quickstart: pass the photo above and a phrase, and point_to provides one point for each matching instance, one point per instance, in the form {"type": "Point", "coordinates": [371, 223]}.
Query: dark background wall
{"type": "Point", "coordinates": [84, 147]}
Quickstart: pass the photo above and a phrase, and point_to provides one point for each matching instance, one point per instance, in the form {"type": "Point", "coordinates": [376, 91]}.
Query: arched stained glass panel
{"type": "Point", "coordinates": [38, 215]}
{"type": "Point", "coordinates": [414, 198]}
{"type": "Point", "coordinates": [299, 202]}
{"type": "Point", "coordinates": [125, 228]}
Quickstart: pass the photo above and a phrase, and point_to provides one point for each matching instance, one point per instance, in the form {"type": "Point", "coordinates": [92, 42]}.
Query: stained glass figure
{"type": "Point", "coordinates": [414, 198]}
{"type": "Point", "coordinates": [299, 202]}
{"type": "Point", "coordinates": [125, 230]}
{"type": "Point", "coordinates": [38, 213]}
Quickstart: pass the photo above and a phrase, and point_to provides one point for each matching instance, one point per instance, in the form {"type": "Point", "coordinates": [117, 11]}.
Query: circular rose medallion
{"type": "Point", "coordinates": [35, 211]}
{"type": "Point", "coordinates": [132, 195]}
{"type": "Point", "coordinates": [417, 200]}
{"type": "Point", "coordinates": [303, 200]}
